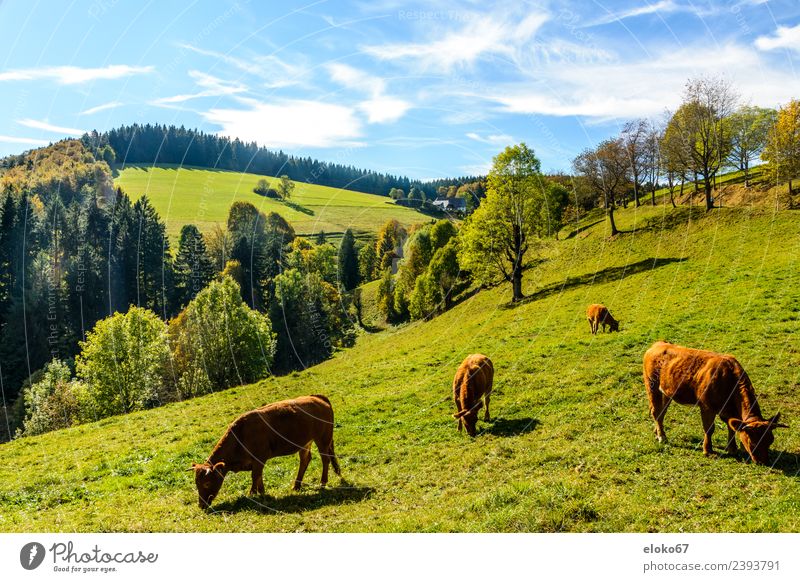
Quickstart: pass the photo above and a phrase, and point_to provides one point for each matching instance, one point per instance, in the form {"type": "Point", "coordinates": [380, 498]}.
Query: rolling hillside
{"type": "Point", "coordinates": [571, 447]}
{"type": "Point", "coordinates": [200, 196]}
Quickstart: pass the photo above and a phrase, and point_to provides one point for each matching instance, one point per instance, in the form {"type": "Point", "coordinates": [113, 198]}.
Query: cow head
{"type": "Point", "coordinates": [208, 479]}
{"type": "Point", "coordinates": [469, 418]}
{"type": "Point", "coordinates": [613, 325]}
{"type": "Point", "coordinates": [756, 436]}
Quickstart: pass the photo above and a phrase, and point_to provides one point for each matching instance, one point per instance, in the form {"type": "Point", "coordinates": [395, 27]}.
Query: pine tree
{"type": "Point", "coordinates": [193, 269]}
{"type": "Point", "coordinates": [348, 262]}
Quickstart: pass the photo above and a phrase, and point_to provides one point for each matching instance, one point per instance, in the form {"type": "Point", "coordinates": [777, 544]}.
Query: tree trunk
{"type": "Point", "coordinates": [653, 195]}
{"type": "Point", "coordinates": [636, 194]}
{"type": "Point", "coordinates": [516, 284]}
{"type": "Point", "coordinates": [746, 175]}
{"type": "Point", "coordinates": [610, 212]}
{"type": "Point", "coordinates": [709, 198]}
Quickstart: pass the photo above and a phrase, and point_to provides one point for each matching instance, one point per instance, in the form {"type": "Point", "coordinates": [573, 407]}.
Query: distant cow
{"type": "Point", "coordinates": [718, 385]}
{"type": "Point", "coordinates": [275, 430]}
{"type": "Point", "coordinates": [599, 315]}
{"type": "Point", "coordinates": [473, 380]}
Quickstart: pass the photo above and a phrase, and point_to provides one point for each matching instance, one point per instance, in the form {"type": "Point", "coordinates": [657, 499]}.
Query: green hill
{"type": "Point", "coordinates": [201, 196]}
{"type": "Point", "coordinates": [571, 447]}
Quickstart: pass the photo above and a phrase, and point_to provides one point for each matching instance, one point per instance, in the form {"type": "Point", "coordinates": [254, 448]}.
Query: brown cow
{"type": "Point", "coordinates": [718, 385]}
{"type": "Point", "coordinates": [597, 315]}
{"type": "Point", "coordinates": [281, 428]}
{"type": "Point", "coordinates": [473, 380]}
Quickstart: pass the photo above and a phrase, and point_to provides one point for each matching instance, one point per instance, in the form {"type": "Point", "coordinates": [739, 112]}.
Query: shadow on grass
{"type": "Point", "coordinates": [579, 230]}
{"type": "Point", "coordinates": [298, 207]}
{"type": "Point", "coordinates": [786, 462]}
{"type": "Point", "coordinates": [295, 502]}
{"type": "Point", "coordinates": [603, 276]}
{"type": "Point", "coordinates": [509, 427]}
{"type": "Point", "coordinates": [783, 461]}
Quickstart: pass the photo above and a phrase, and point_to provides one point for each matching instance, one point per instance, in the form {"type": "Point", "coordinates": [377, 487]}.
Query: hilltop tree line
{"type": "Point", "coordinates": [162, 144]}
{"type": "Point", "coordinates": [708, 133]}
{"type": "Point", "coordinates": [90, 281]}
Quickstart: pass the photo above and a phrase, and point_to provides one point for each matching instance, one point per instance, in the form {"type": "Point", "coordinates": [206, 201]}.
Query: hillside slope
{"type": "Point", "coordinates": [571, 447]}
{"type": "Point", "coordinates": [184, 195]}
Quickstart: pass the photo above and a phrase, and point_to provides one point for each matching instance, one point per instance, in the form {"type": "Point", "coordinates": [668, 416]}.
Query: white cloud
{"type": "Point", "coordinates": [379, 108]}
{"type": "Point", "coordinates": [290, 124]}
{"type": "Point", "coordinates": [785, 38]}
{"type": "Point", "coordinates": [495, 140]}
{"type": "Point", "coordinates": [23, 140]}
{"type": "Point", "coordinates": [481, 35]}
{"type": "Point", "coordinates": [384, 109]}
{"type": "Point", "coordinates": [48, 127]}
{"type": "Point", "coordinates": [211, 87]}
{"type": "Point", "coordinates": [73, 75]}
{"type": "Point", "coordinates": [103, 107]}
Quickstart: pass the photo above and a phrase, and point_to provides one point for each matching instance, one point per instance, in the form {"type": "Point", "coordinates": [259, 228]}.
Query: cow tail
{"type": "Point", "coordinates": [334, 460]}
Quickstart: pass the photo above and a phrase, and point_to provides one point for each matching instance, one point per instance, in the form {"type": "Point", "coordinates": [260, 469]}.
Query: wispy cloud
{"type": "Point", "coordinates": [273, 71]}
{"type": "Point", "coordinates": [379, 107]}
{"type": "Point", "coordinates": [74, 75]}
{"type": "Point", "coordinates": [103, 107]}
{"type": "Point", "coordinates": [785, 37]}
{"type": "Point", "coordinates": [290, 124]}
{"type": "Point", "coordinates": [23, 140]}
{"type": "Point", "coordinates": [48, 127]}
{"type": "Point", "coordinates": [211, 87]}
{"type": "Point", "coordinates": [660, 7]}
{"type": "Point", "coordinates": [480, 36]}
{"type": "Point", "coordinates": [623, 89]}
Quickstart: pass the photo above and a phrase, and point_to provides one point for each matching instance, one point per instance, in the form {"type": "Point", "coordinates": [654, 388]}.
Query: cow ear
{"type": "Point", "coordinates": [218, 467]}
{"type": "Point", "coordinates": [736, 424]}
{"type": "Point", "coordinates": [195, 466]}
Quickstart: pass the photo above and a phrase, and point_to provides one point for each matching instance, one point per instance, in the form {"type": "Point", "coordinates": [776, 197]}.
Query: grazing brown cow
{"type": "Point", "coordinates": [599, 315]}
{"type": "Point", "coordinates": [718, 385]}
{"type": "Point", "coordinates": [473, 380]}
{"type": "Point", "coordinates": [275, 430]}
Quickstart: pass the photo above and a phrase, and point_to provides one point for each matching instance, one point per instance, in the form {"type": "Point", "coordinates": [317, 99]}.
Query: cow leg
{"type": "Point", "coordinates": [658, 408]}
{"type": "Point", "coordinates": [305, 459]}
{"type": "Point", "coordinates": [708, 429]}
{"type": "Point", "coordinates": [732, 449]}
{"type": "Point", "coordinates": [258, 479]}
{"type": "Point", "coordinates": [325, 448]}
{"type": "Point", "coordinates": [591, 326]}
{"type": "Point", "coordinates": [486, 402]}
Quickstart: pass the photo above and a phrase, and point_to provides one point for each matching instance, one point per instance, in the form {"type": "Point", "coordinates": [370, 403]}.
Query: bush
{"type": "Point", "coordinates": [123, 362]}
{"type": "Point", "coordinates": [53, 402]}
{"type": "Point", "coordinates": [218, 341]}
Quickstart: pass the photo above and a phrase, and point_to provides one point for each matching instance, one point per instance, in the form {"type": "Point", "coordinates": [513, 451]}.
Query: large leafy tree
{"type": "Point", "coordinates": [749, 127]}
{"type": "Point", "coordinates": [499, 234]}
{"type": "Point", "coordinates": [218, 341]}
{"type": "Point", "coordinates": [782, 150]}
{"type": "Point", "coordinates": [123, 361]}
{"type": "Point", "coordinates": [702, 123]}
{"type": "Point", "coordinates": [605, 170]}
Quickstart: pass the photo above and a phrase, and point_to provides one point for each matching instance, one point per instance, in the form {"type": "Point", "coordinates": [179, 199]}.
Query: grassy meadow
{"type": "Point", "coordinates": [571, 445]}
{"type": "Point", "coordinates": [201, 196]}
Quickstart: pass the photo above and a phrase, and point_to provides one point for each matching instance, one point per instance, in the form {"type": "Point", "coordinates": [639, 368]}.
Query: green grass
{"type": "Point", "coordinates": [187, 195]}
{"type": "Point", "coordinates": [571, 446]}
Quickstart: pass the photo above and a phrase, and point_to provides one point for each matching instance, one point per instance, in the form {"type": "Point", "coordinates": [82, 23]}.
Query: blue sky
{"type": "Point", "coordinates": [423, 89]}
